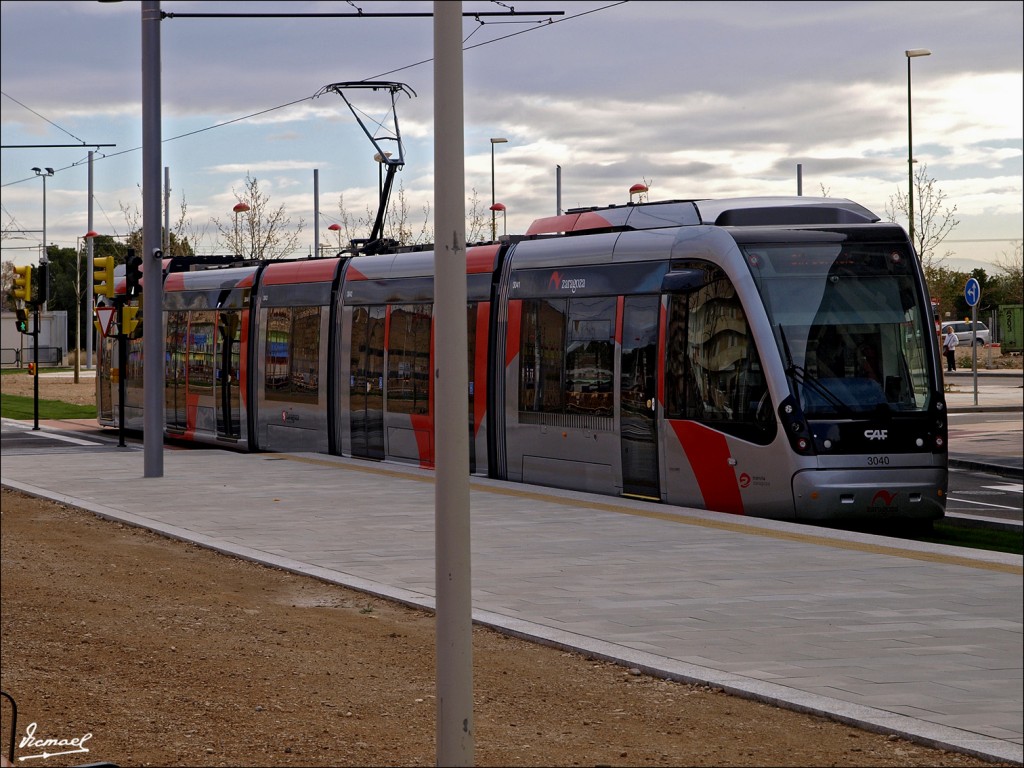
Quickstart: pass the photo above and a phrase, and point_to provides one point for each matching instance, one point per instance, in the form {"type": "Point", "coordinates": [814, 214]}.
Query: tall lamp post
{"type": "Point", "coordinates": [336, 228]}
{"type": "Point", "coordinates": [504, 221]}
{"type": "Point", "coordinates": [913, 53]}
{"type": "Point", "coordinates": [494, 220]}
{"type": "Point", "coordinates": [88, 236]}
{"type": "Point", "coordinates": [44, 258]}
{"type": "Point", "coordinates": [239, 208]}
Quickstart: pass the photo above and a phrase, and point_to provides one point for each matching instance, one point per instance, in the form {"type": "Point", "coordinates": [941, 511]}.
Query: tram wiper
{"type": "Point", "coordinates": [815, 385]}
{"type": "Point", "coordinates": [811, 382]}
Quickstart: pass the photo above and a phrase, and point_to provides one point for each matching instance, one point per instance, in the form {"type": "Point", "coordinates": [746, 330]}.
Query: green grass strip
{"type": "Point", "coordinates": [23, 408]}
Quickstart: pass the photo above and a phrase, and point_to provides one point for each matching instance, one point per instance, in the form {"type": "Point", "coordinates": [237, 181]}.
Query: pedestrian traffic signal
{"type": "Point", "coordinates": [131, 323]}
{"type": "Point", "coordinates": [133, 273]}
{"type": "Point", "coordinates": [103, 276]}
{"type": "Point", "coordinates": [22, 284]}
{"type": "Point", "coordinates": [22, 320]}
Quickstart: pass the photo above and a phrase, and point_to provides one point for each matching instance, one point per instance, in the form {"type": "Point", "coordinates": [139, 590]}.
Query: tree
{"type": "Point", "coordinates": [259, 232]}
{"type": "Point", "coordinates": [63, 263]}
{"type": "Point", "coordinates": [182, 237]}
{"type": "Point", "coordinates": [1008, 286]}
{"type": "Point", "coordinates": [932, 222]}
{"type": "Point", "coordinates": [946, 286]}
{"type": "Point", "coordinates": [7, 283]}
{"type": "Point", "coordinates": [397, 227]}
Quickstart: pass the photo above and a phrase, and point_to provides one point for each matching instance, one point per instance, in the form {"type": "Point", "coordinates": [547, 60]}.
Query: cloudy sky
{"type": "Point", "coordinates": [697, 99]}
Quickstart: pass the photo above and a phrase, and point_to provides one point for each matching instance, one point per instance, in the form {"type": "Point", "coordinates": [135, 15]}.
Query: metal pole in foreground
{"type": "Point", "coordinates": [974, 349]}
{"type": "Point", "coordinates": [35, 368]}
{"type": "Point", "coordinates": [88, 280]}
{"type": "Point", "coordinates": [454, 619]}
{"type": "Point", "coordinates": [122, 367]}
{"type": "Point", "coordinates": [152, 256]}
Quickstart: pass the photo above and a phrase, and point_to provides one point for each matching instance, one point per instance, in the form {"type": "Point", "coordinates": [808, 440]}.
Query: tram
{"type": "Point", "coordinates": [761, 356]}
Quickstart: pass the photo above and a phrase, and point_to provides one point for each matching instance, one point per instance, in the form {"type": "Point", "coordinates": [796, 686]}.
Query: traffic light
{"type": "Point", "coordinates": [43, 278]}
{"type": "Point", "coordinates": [133, 273]}
{"type": "Point", "coordinates": [22, 284]}
{"type": "Point", "coordinates": [103, 276]}
{"type": "Point", "coordinates": [131, 323]}
{"type": "Point", "coordinates": [22, 320]}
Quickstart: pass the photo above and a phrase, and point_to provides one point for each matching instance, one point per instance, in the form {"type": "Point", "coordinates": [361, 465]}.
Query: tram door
{"type": "Point", "coordinates": [227, 357]}
{"type": "Point", "coordinates": [637, 380]}
{"type": "Point", "coordinates": [366, 382]}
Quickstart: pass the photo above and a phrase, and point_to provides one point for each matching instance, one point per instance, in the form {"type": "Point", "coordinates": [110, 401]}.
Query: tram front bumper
{"type": "Point", "coordinates": [856, 494]}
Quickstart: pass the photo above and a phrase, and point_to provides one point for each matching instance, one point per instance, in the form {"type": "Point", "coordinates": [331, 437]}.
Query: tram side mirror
{"type": "Point", "coordinates": [683, 281]}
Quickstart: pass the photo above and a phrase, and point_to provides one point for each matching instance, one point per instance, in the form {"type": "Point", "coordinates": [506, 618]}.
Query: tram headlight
{"type": "Point", "coordinates": [796, 426]}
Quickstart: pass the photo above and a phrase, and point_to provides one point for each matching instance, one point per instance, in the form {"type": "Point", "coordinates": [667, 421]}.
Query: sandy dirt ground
{"type": "Point", "coordinates": [169, 654]}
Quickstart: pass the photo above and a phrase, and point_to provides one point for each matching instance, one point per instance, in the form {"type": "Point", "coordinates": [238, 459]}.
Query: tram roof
{"type": "Point", "coordinates": [727, 212]}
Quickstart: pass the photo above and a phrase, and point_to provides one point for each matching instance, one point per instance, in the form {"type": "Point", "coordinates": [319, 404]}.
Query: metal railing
{"type": "Point", "coordinates": [12, 357]}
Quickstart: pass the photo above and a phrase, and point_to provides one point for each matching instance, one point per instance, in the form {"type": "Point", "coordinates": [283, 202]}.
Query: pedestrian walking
{"type": "Point", "coordinates": [949, 347]}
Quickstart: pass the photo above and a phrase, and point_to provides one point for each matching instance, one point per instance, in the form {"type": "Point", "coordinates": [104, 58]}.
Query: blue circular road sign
{"type": "Point", "coordinates": [972, 292]}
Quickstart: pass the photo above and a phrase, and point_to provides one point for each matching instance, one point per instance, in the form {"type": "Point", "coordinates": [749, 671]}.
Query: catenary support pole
{"type": "Point", "coordinates": [454, 642]}
{"type": "Point", "coordinates": [152, 256]}
{"type": "Point", "coordinates": [89, 298]}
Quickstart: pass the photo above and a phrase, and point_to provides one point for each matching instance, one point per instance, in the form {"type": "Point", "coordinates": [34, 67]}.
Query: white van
{"type": "Point", "coordinates": [964, 337]}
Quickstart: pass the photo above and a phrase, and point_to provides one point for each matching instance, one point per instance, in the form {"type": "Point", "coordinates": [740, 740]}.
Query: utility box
{"type": "Point", "coordinates": [1011, 327]}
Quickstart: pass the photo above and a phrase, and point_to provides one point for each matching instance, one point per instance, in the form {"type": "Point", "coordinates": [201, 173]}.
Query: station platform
{"type": "Point", "coordinates": [919, 640]}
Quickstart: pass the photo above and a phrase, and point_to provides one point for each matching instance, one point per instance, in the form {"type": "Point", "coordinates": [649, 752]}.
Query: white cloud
{"type": "Point", "coordinates": [699, 98]}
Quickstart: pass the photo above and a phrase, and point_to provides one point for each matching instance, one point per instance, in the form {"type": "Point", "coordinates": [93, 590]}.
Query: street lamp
{"type": "Point", "coordinates": [637, 189]}
{"type": "Point", "coordinates": [504, 222]}
{"type": "Point", "coordinates": [78, 300]}
{"type": "Point", "coordinates": [336, 228]}
{"type": "Point", "coordinates": [494, 224]}
{"type": "Point", "coordinates": [44, 274]}
{"type": "Point", "coordinates": [239, 208]}
{"type": "Point", "coordinates": [913, 53]}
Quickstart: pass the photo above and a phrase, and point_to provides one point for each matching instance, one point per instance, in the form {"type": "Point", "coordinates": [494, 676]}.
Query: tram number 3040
{"type": "Point", "coordinates": [878, 461]}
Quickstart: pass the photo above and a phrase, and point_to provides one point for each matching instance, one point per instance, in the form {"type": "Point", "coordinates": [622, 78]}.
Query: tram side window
{"type": "Point", "coordinates": [133, 366]}
{"type": "Point", "coordinates": [713, 370]}
{"type": "Point", "coordinates": [590, 356]}
{"type": "Point", "coordinates": [292, 354]}
{"type": "Point", "coordinates": [567, 356]}
{"type": "Point", "coordinates": [367, 378]}
{"type": "Point", "coordinates": [201, 340]}
{"type": "Point", "coordinates": [409, 359]}
{"type": "Point", "coordinates": [541, 356]}
{"type": "Point", "coordinates": [174, 369]}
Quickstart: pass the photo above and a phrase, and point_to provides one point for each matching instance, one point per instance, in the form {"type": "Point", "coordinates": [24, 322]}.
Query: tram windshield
{"type": "Point", "coordinates": [849, 324]}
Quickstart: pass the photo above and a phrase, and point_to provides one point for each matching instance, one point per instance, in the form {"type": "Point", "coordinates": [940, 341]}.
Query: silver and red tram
{"type": "Point", "coordinates": [762, 356]}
